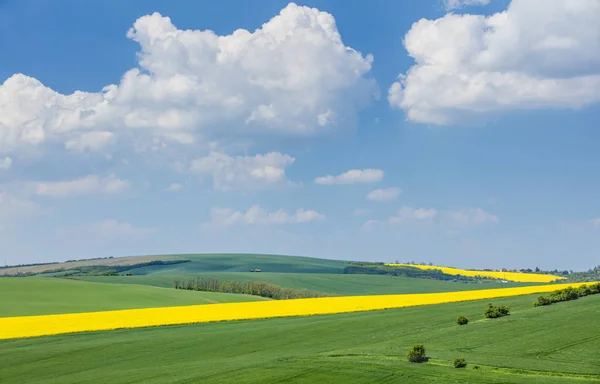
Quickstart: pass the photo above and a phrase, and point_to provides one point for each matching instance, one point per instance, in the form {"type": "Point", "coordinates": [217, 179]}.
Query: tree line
{"type": "Point", "coordinates": [567, 294]}
{"type": "Point", "coordinates": [255, 288]}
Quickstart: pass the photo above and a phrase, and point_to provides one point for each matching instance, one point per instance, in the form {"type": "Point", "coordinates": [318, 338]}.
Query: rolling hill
{"type": "Point", "coordinates": [39, 295]}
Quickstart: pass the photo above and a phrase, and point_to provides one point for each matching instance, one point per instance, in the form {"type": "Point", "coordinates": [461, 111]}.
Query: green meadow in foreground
{"type": "Point", "coordinates": [42, 296]}
{"type": "Point", "coordinates": [554, 344]}
{"type": "Point", "coordinates": [338, 284]}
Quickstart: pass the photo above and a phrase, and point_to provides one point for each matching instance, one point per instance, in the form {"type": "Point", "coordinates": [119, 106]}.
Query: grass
{"type": "Point", "coordinates": [338, 284]}
{"type": "Point", "coordinates": [555, 344]}
{"type": "Point", "coordinates": [38, 296]}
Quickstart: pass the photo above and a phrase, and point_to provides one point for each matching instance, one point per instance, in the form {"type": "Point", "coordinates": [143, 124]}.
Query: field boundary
{"type": "Point", "coordinates": [46, 325]}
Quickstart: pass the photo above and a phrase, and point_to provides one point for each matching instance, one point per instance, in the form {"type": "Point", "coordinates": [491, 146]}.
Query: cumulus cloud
{"type": "Point", "coordinates": [175, 187]}
{"type": "Point", "coordinates": [88, 185]}
{"type": "Point", "coordinates": [536, 54]}
{"type": "Point", "coordinates": [382, 195]}
{"type": "Point", "coordinates": [13, 208]}
{"type": "Point", "coordinates": [243, 172]}
{"type": "Point", "coordinates": [5, 163]}
{"type": "Point", "coordinates": [94, 141]}
{"type": "Point", "coordinates": [408, 213]}
{"type": "Point", "coordinates": [256, 215]}
{"type": "Point", "coordinates": [455, 4]}
{"type": "Point", "coordinates": [353, 176]}
{"type": "Point", "coordinates": [292, 76]}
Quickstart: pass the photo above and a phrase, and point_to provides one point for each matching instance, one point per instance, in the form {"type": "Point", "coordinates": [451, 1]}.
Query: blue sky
{"type": "Point", "coordinates": [463, 133]}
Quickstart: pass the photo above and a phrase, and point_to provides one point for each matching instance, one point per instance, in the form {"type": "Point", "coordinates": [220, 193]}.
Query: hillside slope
{"type": "Point", "coordinates": [338, 284]}
{"type": "Point", "coordinates": [40, 296]}
{"type": "Point", "coordinates": [555, 344]}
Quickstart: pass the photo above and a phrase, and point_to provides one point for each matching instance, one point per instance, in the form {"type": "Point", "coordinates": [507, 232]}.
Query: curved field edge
{"type": "Point", "coordinates": [32, 326]}
{"type": "Point", "coordinates": [511, 276]}
{"type": "Point", "coordinates": [44, 296]}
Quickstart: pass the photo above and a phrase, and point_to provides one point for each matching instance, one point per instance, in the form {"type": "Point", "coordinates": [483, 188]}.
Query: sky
{"type": "Point", "coordinates": [457, 132]}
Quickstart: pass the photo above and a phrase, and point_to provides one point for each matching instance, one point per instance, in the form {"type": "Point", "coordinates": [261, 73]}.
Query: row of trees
{"type": "Point", "coordinates": [256, 288]}
{"type": "Point", "coordinates": [567, 294]}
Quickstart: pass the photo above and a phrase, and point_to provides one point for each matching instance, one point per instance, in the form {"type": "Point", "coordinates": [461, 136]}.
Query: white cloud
{"type": "Point", "coordinates": [175, 187]}
{"type": "Point", "coordinates": [5, 163]}
{"type": "Point", "coordinates": [292, 76]}
{"type": "Point", "coordinates": [91, 184]}
{"type": "Point", "coordinates": [536, 54]}
{"type": "Point", "coordinates": [13, 208]}
{"type": "Point", "coordinates": [353, 176]}
{"type": "Point", "coordinates": [468, 217]}
{"type": "Point", "coordinates": [93, 141]}
{"type": "Point", "coordinates": [243, 172]}
{"type": "Point", "coordinates": [382, 195]}
{"type": "Point", "coordinates": [408, 213]}
{"type": "Point", "coordinates": [455, 4]}
{"type": "Point", "coordinates": [257, 215]}
{"type": "Point", "coordinates": [369, 224]}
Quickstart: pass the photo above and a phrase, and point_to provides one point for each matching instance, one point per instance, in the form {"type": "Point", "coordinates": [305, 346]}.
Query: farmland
{"type": "Point", "coordinates": [338, 284]}
{"type": "Point", "coordinates": [556, 344]}
{"type": "Point", "coordinates": [549, 344]}
{"type": "Point", "coordinates": [513, 276]}
{"type": "Point", "coordinates": [38, 296]}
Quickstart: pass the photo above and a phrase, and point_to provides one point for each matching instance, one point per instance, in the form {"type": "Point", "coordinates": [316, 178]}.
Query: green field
{"type": "Point", "coordinates": [40, 296]}
{"type": "Point", "coordinates": [555, 344]}
{"type": "Point", "coordinates": [240, 262]}
{"type": "Point", "coordinates": [338, 284]}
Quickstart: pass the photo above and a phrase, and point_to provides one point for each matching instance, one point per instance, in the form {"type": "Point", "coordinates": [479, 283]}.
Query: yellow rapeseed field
{"type": "Point", "coordinates": [512, 276]}
{"type": "Point", "coordinates": [31, 326]}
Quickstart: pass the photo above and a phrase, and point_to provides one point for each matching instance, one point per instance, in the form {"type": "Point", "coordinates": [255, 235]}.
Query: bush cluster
{"type": "Point", "coordinates": [567, 294]}
{"type": "Point", "coordinates": [462, 320]}
{"type": "Point", "coordinates": [256, 288]}
{"type": "Point", "coordinates": [416, 354]}
{"type": "Point", "coordinates": [493, 311]}
{"type": "Point", "coordinates": [459, 362]}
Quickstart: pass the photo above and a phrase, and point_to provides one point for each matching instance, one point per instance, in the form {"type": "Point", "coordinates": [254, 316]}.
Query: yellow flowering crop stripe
{"type": "Point", "coordinates": [31, 326]}
{"type": "Point", "coordinates": [512, 276]}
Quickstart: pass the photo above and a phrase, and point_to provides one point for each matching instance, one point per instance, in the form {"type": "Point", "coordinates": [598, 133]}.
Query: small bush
{"type": "Point", "coordinates": [459, 362]}
{"type": "Point", "coordinates": [493, 311]}
{"type": "Point", "coordinates": [416, 354]}
{"type": "Point", "coordinates": [541, 301]}
{"type": "Point", "coordinates": [462, 320]}
{"type": "Point", "coordinates": [476, 367]}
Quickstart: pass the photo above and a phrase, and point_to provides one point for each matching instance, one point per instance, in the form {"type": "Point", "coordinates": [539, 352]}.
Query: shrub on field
{"type": "Point", "coordinates": [459, 362]}
{"type": "Point", "coordinates": [568, 294]}
{"type": "Point", "coordinates": [416, 354]}
{"type": "Point", "coordinates": [541, 301]}
{"type": "Point", "coordinates": [462, 320]}
{"type": "Point", "coordinates": [493, 311]}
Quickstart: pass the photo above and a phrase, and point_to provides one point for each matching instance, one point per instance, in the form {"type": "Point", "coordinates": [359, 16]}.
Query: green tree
{"type": "Point", "coordinates": [459, 362]}
{"type": "Point", "coordinates": [416, 354]}
{"type": "Point", "coordinates": [462, 320]}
